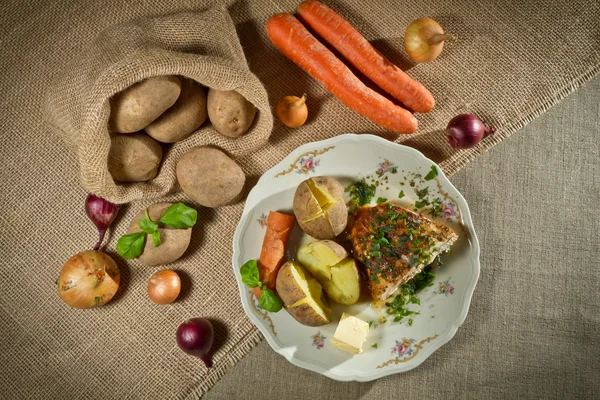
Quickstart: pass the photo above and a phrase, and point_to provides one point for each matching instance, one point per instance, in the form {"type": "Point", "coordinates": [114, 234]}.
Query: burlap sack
{"type": "Point", "coordinates": [201, 46]}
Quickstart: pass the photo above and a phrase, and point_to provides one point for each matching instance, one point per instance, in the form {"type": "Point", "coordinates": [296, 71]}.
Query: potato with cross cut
{"type": "Point", "coordinates": [319, 208]}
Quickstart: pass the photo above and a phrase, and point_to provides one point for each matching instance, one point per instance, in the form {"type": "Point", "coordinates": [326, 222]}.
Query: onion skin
{"type": "Point", "coordinates": [292, 111]}
{"type": "Point", "coordinates": [88, 279]}
{"type": "Point", "coordinates": [195, 337]}
{"type": "Point", "coordinates": [466, 130]}
{"type": "Point", "coordinates": [102, 213]}
{"type": "Point", "coordinates": [164, 286]}
{"type": "Point", "coordinates": [424, 40]}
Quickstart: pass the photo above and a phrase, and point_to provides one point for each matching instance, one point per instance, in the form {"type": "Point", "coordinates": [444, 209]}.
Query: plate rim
{"type": "Point", "coordinates": [442, 338]}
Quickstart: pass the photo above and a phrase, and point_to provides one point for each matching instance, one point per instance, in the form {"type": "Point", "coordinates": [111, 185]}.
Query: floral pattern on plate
{"type": "Point", "coordinates": [446, 288]}
{"type": "Point", "coordinates": [450, 210]}
{"type": "Point", "coordinates": [318, 340]}
{"type": "Point", "coordinates": [262, 220]}
{"type": "Point", "coordinates": [403, 348]}
{"type": "Point", "coordinates": [386, 166]}
{"type": "Point", "coordinates": [306, 162]}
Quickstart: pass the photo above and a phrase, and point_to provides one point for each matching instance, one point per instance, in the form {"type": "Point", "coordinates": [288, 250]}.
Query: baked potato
{"type": "Point", "coordinates": [174, 242]}
{"type": "Point", "coordinates": [302, 295]}
{"type": "Point", "coordinates": [319, 208]}
{"type": "Point", "coordinates": [329, 263]}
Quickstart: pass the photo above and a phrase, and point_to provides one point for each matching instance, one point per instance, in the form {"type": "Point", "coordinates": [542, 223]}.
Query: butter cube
{"type": "Point", "coordinates": [350, 334]}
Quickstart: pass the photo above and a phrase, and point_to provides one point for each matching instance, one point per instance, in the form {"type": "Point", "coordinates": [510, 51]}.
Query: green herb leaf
{"type": "Point", "coordinates": [147, 225]}
{"type": "Point", "coordinates": [179, 216]}
{"type": "Point", "coordinates": [401, 195]}
{"type": "Point", "coordinates": [131, 245]}
{"type": "Point", "coordinates": [156, 238]}
{"type": "Point", "coordinates": [432, 173]}
{"type": "Point", "coordinates": [361, 193]}
{"type": "Point", "coordinates": [374, 345]}
{"type": "Point", "coordinates": [249, 272]}
{"type": "Point", "coordinates": [410, 322]}
{"type": "Point", "coordinates": [381, 200]}
{"type": "Point", "coordinates": [269, 301]}
{"type": "Point", "coordinates": [370, 323]}
{"type": "Point", "coordinates": [421, 203]}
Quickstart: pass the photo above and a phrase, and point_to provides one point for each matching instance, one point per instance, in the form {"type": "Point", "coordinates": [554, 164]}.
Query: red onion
{"type": "Point", "coordinates": [195, 337]}
{"type": "Point", "coordinates": [466, 130]}
{"type": "Point", "coordinates": [102, 213]}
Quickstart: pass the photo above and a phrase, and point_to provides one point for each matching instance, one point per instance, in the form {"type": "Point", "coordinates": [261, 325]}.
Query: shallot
{"type": "Point", "coordinates": [102, 213]}
{"type": "Point", "coordinates": [466, 130]}
{"type": "Point", "coordinates": [195, 337]}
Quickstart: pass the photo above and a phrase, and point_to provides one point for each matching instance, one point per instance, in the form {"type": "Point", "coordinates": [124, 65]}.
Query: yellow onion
{"type": "Point", "coordinates": [424, 40]}
{"type": "Point", "coordinates": [164, 286]}
{"type": "Point", "coordinates": [292, 111]}
{"type": "Point", "coordinates": [88, 279]}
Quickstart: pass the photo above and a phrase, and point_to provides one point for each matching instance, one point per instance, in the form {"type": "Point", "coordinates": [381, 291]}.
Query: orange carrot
{"type": "Point", "coordinates": [279, 228]}
{"type": "Point", "coordinates": [300, 46]}
{"type": "Point", "coordinates": [335, 30]}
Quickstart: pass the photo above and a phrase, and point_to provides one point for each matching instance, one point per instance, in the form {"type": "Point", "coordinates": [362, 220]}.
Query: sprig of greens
{"type": "Point", "coordinates": [360, 193]}
{"type": "Point", "coordinates": [432, 173]}
{"type": "Point", "coordinates": [177, 216]}
{"type": "Point", "coordinates": [268, 300]}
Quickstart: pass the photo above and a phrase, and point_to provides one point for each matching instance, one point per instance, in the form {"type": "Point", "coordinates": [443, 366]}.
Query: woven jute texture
{"type": "Point", "coordinates": [202, 46]}
{"type": "Point", "coordinates": [512, 61]}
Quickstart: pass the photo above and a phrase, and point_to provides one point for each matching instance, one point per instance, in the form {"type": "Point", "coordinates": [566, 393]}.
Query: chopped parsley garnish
{"type": "Point", "coordinates": [374, 345]}
{"type": "Point", "coordinates": [401, 194]}
{"type": "Point", "coordinates": [381, 200]}
{"type": "Point", "coordinates": [421, 203]}
{"type": "Point", "coordinates": [432, 173]}
{"type": "Point", "coordinates": [370, 323]}
{"type": "Point", "coordinates": [361, 193]}
{"type": "Point", "coordinates": [422, 192]}
{"type": "Point", "coordinates": [398, 307]}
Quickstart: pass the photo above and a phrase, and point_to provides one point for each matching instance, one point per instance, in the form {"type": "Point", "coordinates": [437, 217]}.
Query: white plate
{"type": "Point", "coordinates": [444, 305]}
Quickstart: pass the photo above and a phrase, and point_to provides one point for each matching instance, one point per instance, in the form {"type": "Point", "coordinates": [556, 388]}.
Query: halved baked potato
{"type": "Point", "coordinates": [329, 263]}
{"type": "Point", "coordinates": [302, 295]}
{"type": "Point", "coordinates": [319, 208]}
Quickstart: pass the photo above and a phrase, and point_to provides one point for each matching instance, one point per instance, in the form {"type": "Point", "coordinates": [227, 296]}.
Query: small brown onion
{"type": "Point", "coordinates": [88, 279]}
{"type": "Point", "coordinates": [292, 111]}
{"type": "Point", "coordinates": [424, 40]}
{"type": "Point", "coordinates": [164, 286]}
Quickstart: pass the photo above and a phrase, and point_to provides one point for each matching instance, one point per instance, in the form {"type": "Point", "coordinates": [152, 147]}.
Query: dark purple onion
{"type": "Point", "coordinates": [102, 213]}
{"type": "Point", "coordinates": [195, 337]}
{"type": "Point", "coordinates": [466, 130]}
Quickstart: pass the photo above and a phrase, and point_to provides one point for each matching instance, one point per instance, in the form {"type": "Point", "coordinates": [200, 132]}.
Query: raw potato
{"type": "Point", "coordinates": [174, 242]}
{"type": "Point", "coordinates": [319, 207]}
{"type": "Point", "coordinates": [329, 263]}
{"type": "Point", "coordinates": [184, 117]}
{"type": "Point", "coordinates": [134, 158]}
{"type": "Point", "coordinates": [302, 295]}
{"type": "Point", "coordinates": [136, 107]}
{"type": "Point", "coordinates": [209, 177]}
{"type": "Point", "coordinates": [229, 112]}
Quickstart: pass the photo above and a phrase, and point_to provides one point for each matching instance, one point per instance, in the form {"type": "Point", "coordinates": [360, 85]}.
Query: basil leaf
{"type": "Point", "coordinates": [179, 216]}
{"type": "Point", "coordinates": [249, 272]}
{"type": "Point", "coordinates": [156, 238]}
{"type": "Point", "coordinates": [431, 174]}
{"type": "Point", "coordinates": [269, 301]}
{"type": "Point", "coordinates": [131, 245]}
{"type": "Point", "coordinates": [148, 226]}
{"type": "Point", "coordinates": [401, 195]}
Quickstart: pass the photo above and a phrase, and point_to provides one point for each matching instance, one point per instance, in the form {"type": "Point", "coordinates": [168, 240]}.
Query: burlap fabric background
{"type": "Point", "coordinates": [513, 60]}
{"type": "Point", "coordinates": [202, 46]}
